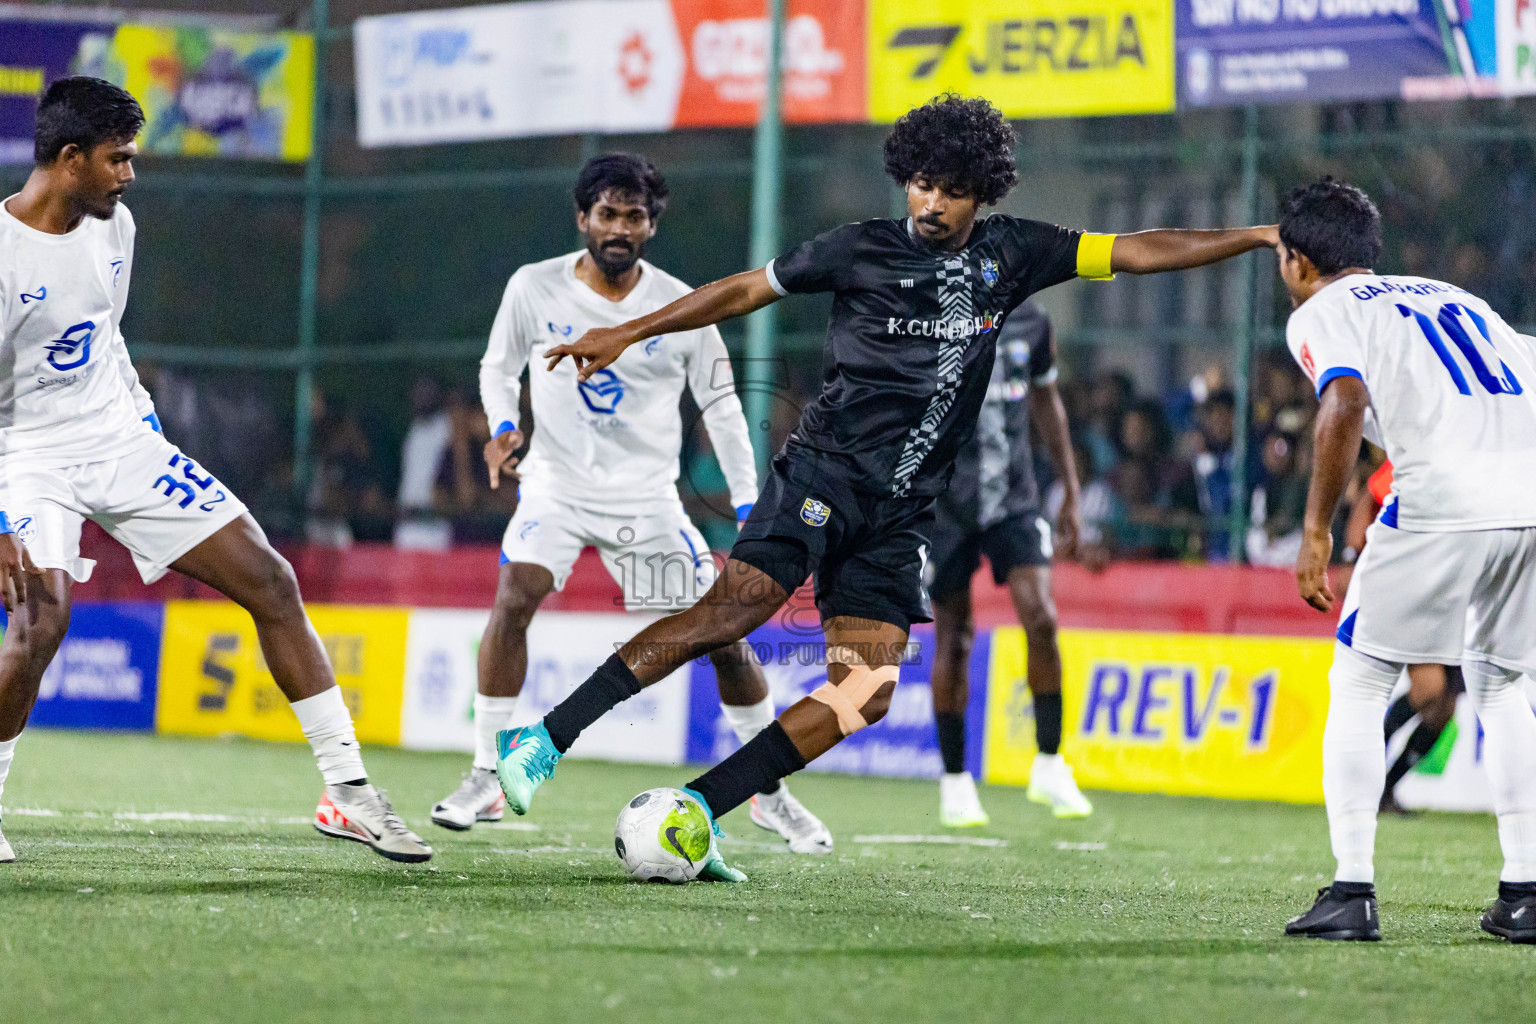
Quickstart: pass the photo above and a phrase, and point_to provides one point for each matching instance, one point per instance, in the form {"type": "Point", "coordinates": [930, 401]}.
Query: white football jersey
{"type": "Point", "coordinates": [612, 442]}
{"type": "Point", "coordinates": [1453, 395]}
{"type": "Point", "coordinates": [68, 394]}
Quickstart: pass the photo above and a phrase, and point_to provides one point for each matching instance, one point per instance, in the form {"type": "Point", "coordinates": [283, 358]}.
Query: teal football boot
{"type": "Point", "coordinates": [525, 758]}
{"type": "Point", "coordinates": [714, 868]}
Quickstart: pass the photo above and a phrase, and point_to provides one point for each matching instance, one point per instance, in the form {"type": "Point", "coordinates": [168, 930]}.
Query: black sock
{"type": "Point", "coordinates": [356, 782]}
{"type": "Point", "coordinates": [951, 741]}
{"type": "Point", "coordinates": [768, 757]}
{"type": "Point", "coordinates": [1420, 742]}
{"type": "Point", "coordinates": [1350, 889]}
{"type": "Point", "coordinates": [1398, 715]}
{"type": "Point", "coordinates": [1513, 891]}
{"type": "Point", "coordinates": [1048, 722]}
{"type": "Point", "coordinates": [611, 685]}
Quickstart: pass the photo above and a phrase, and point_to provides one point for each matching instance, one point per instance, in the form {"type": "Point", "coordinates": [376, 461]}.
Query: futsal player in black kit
{"type": "Point", "coordinates": [992, 508]}
{"type": "Point", "coordinates": [918, 304]}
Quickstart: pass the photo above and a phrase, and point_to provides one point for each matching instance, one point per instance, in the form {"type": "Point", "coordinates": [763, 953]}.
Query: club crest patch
{"type": "Point", "coordinates": [989, 270]}
{"type": "Point", "coordinates": [814, 512]}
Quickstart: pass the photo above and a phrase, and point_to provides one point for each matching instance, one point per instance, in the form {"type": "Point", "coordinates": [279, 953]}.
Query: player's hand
{"type": "Point", "coordinates": [15, 567]}
{"type": "Point", "coordinates": [1069, 528]}
{"type": "Point", "coordinates": [592, 351]}
{"type": "Point", "coordinates": [1270, 234]}
{"type": "Point", "coordinates": [1312, 570]}
{"type": "Point", "coordinates": [498, 455]}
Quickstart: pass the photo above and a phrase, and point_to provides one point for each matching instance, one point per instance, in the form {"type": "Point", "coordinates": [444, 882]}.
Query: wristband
{"type": "Point", "coordinates": [5, 524]}
{"type": "Point", "coordinates": [742, 511]}
{"type": "Point", "coordinates": [504, 426]}
{"type": "Point", "coordinates": [154, 423]}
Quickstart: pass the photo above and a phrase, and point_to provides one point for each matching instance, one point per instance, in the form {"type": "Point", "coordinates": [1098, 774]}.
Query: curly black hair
{"type": "Point", "coordinates": [627, 174]}
{"type": "Point", "coordinates": [966, 144]}
{"type": "Point", "coordinates": [1333, 224]}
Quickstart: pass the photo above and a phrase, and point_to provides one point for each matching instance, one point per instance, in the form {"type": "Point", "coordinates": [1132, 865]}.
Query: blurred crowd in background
{"type": "Point", "coordinates": [1156, 470]}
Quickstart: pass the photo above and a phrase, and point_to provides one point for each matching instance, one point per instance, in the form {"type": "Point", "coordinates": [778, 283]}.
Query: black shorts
{"type": "Point", "coordinates": [865, 550]}
{"type": "Point", "coordinates": [957, 547]}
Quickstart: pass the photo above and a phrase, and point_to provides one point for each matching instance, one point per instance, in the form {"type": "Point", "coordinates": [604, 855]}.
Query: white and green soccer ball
{"type": "Point", "coordinates": [662, 835]}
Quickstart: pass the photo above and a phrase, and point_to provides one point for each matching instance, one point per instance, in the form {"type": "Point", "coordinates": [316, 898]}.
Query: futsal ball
{"type": "Point", "coordinates": [662, 835]}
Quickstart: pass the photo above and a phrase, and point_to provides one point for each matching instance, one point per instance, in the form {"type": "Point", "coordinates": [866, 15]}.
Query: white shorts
{"type": "Point", "coordinates": [153, 500]}
{"type": "Point", "coordinates": [1444, 597]}
{"type": "Point", "coordinates": [659, 559]}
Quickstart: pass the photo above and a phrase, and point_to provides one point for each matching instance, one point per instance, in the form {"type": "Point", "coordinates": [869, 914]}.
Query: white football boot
{"type": "Point", "coordinates": [959, 806]}
{"type": "Point", "coordinates": [478, 798]}
{"type": "Point", "coordinates": [363, 815]}
{"type": "Point", "coordinates": [6, 853]}
{"type": "Point", "coordinates": [780, 812]}
{"type": "Point", "coordinates": [1051, 783]}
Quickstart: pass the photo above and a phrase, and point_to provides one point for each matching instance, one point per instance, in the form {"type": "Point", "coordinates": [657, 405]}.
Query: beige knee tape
{"type": "Point", "coordinates": [847, 698]}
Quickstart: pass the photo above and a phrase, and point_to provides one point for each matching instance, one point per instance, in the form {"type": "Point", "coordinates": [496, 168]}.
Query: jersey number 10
{"type": "Point", "coordinates": [1447, 318]}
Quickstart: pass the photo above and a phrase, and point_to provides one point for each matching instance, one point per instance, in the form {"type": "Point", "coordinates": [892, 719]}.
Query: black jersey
{"type": "Point", "coordinates": [911, 339]}
{"type": "Point", "coordinates": [995, 471]}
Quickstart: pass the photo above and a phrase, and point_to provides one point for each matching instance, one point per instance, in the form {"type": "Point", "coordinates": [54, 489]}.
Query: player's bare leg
{"type": "Point", "coordinates": [502, 668]}
{"type": "Point", "coordinates": [742, 598]}
{"type": "Point", "coordinates": [1050, 777]}
{"type": "Point", "coordinates": [748, 706]}
{"type": "Point", "coordinates": [239, 563]}
{"type": "Point", "coordinates": [36, 628]}
{"type": "Point", "coordinates": [953, 635]}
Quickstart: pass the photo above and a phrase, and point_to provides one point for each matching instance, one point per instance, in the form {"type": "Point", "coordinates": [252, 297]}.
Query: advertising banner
{"type": "Point", "coordinates": [1516, 41]}
{"type": "Point", "coordinates": [794, 661]}
{"type": "Point", "coordinates": [1033, 58]}
{"type": "Point", "coordinates": [210, 92]}
{"type": "Point", "coordinates": [1194, 714]}
{"type": "Point", "coordinates": [546, 68]}
{"type": "Point", "coordinates": [726, 46]}
{"type": "Point", "coordinates": [33, 54]}
{"type": "Point", "coordinates": [1236, 52]}
{"type": "Point", "coordinates": [563, 650]}
{"type": "Point", "coordinates": [105, 672]}
{"type": "Point", "coordinates": [214, 680]}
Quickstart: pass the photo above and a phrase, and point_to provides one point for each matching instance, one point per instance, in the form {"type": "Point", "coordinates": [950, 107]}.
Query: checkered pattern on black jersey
{"type": "Point", "coordinates": [957, 309]}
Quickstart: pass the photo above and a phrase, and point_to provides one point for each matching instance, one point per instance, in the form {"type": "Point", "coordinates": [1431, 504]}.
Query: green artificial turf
{"type": "Point", "coordinates": [1155, 909]}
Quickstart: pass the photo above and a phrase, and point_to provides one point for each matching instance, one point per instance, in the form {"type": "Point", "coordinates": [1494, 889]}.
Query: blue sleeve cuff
{"type": "Point", "coordinates": [504, 426]}
{"type": "Point", "coordinates": [1333, 373]}
{"type": "Point", "coordinates": [742, 511]}
{"type": "Point", "coordinates": [5, 524]}
{"type": "Point", "coordinates": [153, 420]}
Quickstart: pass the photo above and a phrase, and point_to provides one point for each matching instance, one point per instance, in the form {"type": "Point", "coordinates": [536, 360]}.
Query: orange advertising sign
{"type": "Point", "coordinates": [726, 42]}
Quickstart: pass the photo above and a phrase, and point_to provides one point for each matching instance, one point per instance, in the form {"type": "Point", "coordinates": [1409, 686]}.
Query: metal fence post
{"type": "Point", "coordinates": [1243, 358]}
{"type": "Point", "coordinates": [309, 268]}
{"type": "Point", "coordinates": [767, 182]}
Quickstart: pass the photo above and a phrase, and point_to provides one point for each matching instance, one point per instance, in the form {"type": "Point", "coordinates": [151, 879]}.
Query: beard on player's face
{"type": "Point", "coordinates": [102, 175]}
{"type": "Point", "coordinates": [613, 256]}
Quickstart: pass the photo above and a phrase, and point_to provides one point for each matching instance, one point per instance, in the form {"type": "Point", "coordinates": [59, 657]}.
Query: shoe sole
{"type": "Point", "coordinates": [1056, 810]}
{"type": "Point", "coordinates": [518, 807]}
{"type": "Point", "coordinates": [454, 826]}
{"type": "Point", "coordinates": [1341, 935]}
{"type": "Point", "coordinates": [971, 823]}
{"type": "Point", "coordinates": [762, 822]}
{"type": "Point", "coordinates": [1519, 936]}
{"type": "Point", "coordinates": [401, 858]}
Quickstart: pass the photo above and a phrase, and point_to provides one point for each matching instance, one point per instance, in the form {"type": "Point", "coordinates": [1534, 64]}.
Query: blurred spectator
{"type": "Point", "coordinates": [1279, 502]}
{"type": "Point", "coordinates": [1205, 486]}
{"type": "Point", "coordinates": [427, 441]}
{"type": "Point", "coordinates": [1098, 504]}
{"type": "Point", "coordinates": [1108, 399]}
{"type": "Point", "coordinates": [342, 485]}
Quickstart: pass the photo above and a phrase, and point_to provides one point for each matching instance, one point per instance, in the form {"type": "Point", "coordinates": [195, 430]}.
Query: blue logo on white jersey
{"type": "Point", "coordinates": [42, 293]}
{"type": "Point", "coordinates": [602, 391]}
{"type": "Point", "coordinates": [989, 270]}
{"type": "Point", "coordinates": [117, 270]}
{"type": "Point", "coordinates": [554, 328]}
{"type": "Point", "coordinates": [68, 345]}
{"type": "Point", "coordinates": [650, 346]}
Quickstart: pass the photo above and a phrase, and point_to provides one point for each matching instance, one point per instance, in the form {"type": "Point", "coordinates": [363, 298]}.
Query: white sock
{"type": "Point", "coordinates": [1355, 758]}
{"type": "Point", "coordinates": [749, 720]}
{"type": "Point", "coordinates": [327, 724]}
{"type": "Point", "coordinates": [492, 714]}
{"type": "Point", "coordinates": [1509, 754]}
{"type": "Point", "coordinates": [7, 752]}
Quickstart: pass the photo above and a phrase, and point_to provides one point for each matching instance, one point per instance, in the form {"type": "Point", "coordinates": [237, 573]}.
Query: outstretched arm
{"type": "Point", "coordinates": [1335, 447]}
{"type": "Point", "coordinates": [1149, 252]}
{"type": "Point", "coordinates": [729, 297]}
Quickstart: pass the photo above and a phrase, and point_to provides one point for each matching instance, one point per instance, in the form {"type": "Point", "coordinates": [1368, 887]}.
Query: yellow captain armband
{"type": "Point", "coordinates": [1093, 256]}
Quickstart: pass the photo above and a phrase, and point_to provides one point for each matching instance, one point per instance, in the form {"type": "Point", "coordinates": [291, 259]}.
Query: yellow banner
{"type": "Point", "coordinates": [214, 680]}
{"type": "Point", "coordinates": [1194, 714]}
{"type": "Point", "coordinates": [1033, 58]}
